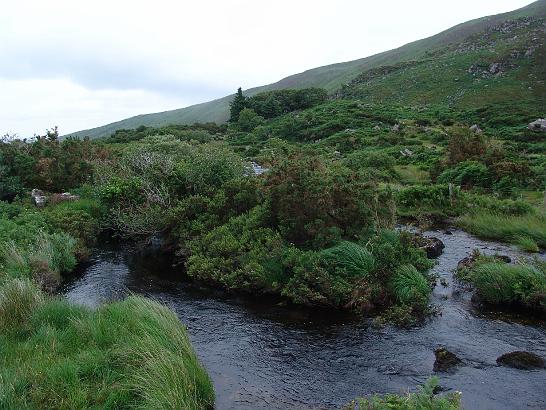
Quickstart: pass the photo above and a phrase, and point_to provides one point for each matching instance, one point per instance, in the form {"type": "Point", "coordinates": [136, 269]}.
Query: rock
{"type": "Point", "coordinates": [469, 261]}
{"type": "Point", "coordinates": [377, 128]}
{"type": "Point", "coordinates": [476, 129]}
{"type": "Point", "coordinates": [396, 128]}
{"type": "Point", "coordinates": [522, 360]}
{"type": "Point", "coordinates": [538, 125]}
{"type": "Point", "coordinates": [445, 360]}
{"type": "Point", "coordinates": [38, 198]}
{"type": "Point", "coordinates": [495, 68]}
{"type": "Point", "coordinates": [432, 246]}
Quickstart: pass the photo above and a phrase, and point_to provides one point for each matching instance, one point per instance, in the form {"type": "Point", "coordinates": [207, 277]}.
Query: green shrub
{"type": "Point", "coordinates": [468, 173]}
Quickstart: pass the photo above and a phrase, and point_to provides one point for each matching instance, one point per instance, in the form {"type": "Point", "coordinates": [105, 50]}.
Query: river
{"type": "Point", "coordinates": [260, 354]}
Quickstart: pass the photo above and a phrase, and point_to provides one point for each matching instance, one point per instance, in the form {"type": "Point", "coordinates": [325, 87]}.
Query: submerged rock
{"type": "Point", "coordinates": [445, 360]}
{"type": "Point", "coordinates": [522, 360]}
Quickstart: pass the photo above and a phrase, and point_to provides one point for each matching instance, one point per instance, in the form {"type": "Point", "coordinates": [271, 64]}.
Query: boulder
{"type": "Point", "coordinates": [495, 68]}
{"type": "Point", "coordinates": [538, 125]}
{"type": "Point", "coordinates": [396, 128]}
{"type": "Point", "coordinates": [476, 129]}
{"type": "Point", "coordinates": [522, 360]}
{"type": "Point", "coordinates": [38, 198]}
{"type": "Point", "coordinates": [445, 360]}
{"type": "Point", "coordinates": [469, 261]}
{"type": "Point", "coordinates": [432, 246]}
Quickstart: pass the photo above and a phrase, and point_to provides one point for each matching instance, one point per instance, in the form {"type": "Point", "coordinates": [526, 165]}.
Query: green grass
{"type": "Point", "coordinates": [410, 286]}
{"type": "Point", "coordinates": [527, 244]}
{"type": "Point", "coordinates": [501, 283]}
{"type": "Point", "coordinates": [133, 353]}
{"type": "Point", "coordinates": [424, 399]}
{"type": "Point", "coordinates": [352, 258]}
{"type": "Point", "coordinates": [507, 228]}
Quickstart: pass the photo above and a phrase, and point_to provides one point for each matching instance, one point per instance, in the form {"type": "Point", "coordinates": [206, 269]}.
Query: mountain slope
{"type": "Point", "coordinates": [330, 77]}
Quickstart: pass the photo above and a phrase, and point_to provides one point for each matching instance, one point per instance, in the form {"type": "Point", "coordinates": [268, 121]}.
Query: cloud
{"type": "Point", "coordinates": [173, 53]}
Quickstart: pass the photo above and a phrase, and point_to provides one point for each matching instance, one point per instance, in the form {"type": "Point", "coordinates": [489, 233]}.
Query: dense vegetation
{"type": "Point", "coordinates": [318, 227]}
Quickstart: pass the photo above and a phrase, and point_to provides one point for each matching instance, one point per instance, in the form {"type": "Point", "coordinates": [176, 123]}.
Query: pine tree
{"type": "Point", "coordinates": [237, 105]}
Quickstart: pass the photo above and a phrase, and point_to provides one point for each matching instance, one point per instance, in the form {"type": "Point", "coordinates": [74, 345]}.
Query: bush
{"type": "Point", "coordinates": [468, 174]}
{"type": "Point", "coordinates": [18, 299]}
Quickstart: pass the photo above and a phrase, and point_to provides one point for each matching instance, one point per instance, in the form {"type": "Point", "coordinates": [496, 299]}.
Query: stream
{"type": "Point", "coordinates": [263, 355]}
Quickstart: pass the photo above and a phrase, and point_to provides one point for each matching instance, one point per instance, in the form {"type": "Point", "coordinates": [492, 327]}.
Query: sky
{"type": "Point", "coordinates": [78, 65]}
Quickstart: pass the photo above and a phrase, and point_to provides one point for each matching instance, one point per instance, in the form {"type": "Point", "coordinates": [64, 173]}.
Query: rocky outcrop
{"type": "Point", "coordinates": [38, 198]}
{"type": "Point", "coordinates": [522, 360]}
{"type": "Point", "coordinates": [538, 125]}
{"type": "Point", "coordinates": [445, 360]}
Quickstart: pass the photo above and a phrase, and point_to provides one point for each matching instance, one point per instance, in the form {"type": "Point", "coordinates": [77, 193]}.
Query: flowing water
{"type": "Point", "coordinates": [263, 355]}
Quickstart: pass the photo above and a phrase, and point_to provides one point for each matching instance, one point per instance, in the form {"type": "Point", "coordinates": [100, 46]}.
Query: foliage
{"type": "Point", "coordinates": [274, 103]}
{"type": "Point", "coordinates": [410, 287]}
{"type": "Point", "coordinates": [133, 353]}
{"type": "Point", "coordinates": [501, 283]}
{"type": "Point", "coordinates": [506, 228]}
{"type": "Point", "coordinates": [238, 104]}
{"type": "Point", "coordinates": [424, 399]}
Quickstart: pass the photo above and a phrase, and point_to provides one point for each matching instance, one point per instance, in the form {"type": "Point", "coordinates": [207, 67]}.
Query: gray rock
{"type": "Point", "coordinates": [495, 68]}
{"type": "Point", "coordinates": [396, 128]}
{"type": "Point", "coordinates": [538, 125]}
{"type": "Point", "coordinates": [476, 129]}
{"type": "Point", "coordinates": [38, 198]}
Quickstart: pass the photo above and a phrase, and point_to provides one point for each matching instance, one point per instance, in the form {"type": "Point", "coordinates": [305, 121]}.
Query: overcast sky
{"type": "Point", "coordinates": [83, 64]}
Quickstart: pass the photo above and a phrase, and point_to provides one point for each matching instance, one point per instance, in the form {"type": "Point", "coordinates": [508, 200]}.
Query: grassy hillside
{"type": "Point", "coordinates": [330, 77]}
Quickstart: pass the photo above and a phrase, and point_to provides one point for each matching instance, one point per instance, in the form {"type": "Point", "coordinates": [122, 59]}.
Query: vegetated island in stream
{"type": "Point", "coordinates": [315, 226]}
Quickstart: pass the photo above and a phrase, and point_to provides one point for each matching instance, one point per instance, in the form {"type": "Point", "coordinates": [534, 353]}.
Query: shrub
{"type": "Point", "coordinates": [468, 174]}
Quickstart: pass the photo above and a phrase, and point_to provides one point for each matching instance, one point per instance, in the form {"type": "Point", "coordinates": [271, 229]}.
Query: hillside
{"type": "Point", "coordinates": [332, 77]}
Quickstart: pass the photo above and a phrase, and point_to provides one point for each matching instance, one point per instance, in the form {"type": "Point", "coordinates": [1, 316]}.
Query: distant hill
{"type": "Point", "coordinates": [424, 58]}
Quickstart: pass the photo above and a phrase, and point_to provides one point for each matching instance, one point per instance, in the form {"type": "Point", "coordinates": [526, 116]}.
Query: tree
{"type": "Point", "coordinates": [238, 104]}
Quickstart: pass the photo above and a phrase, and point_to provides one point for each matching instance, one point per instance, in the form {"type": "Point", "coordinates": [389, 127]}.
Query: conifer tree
{"type": "Point", "coordinates": [237, 105]}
